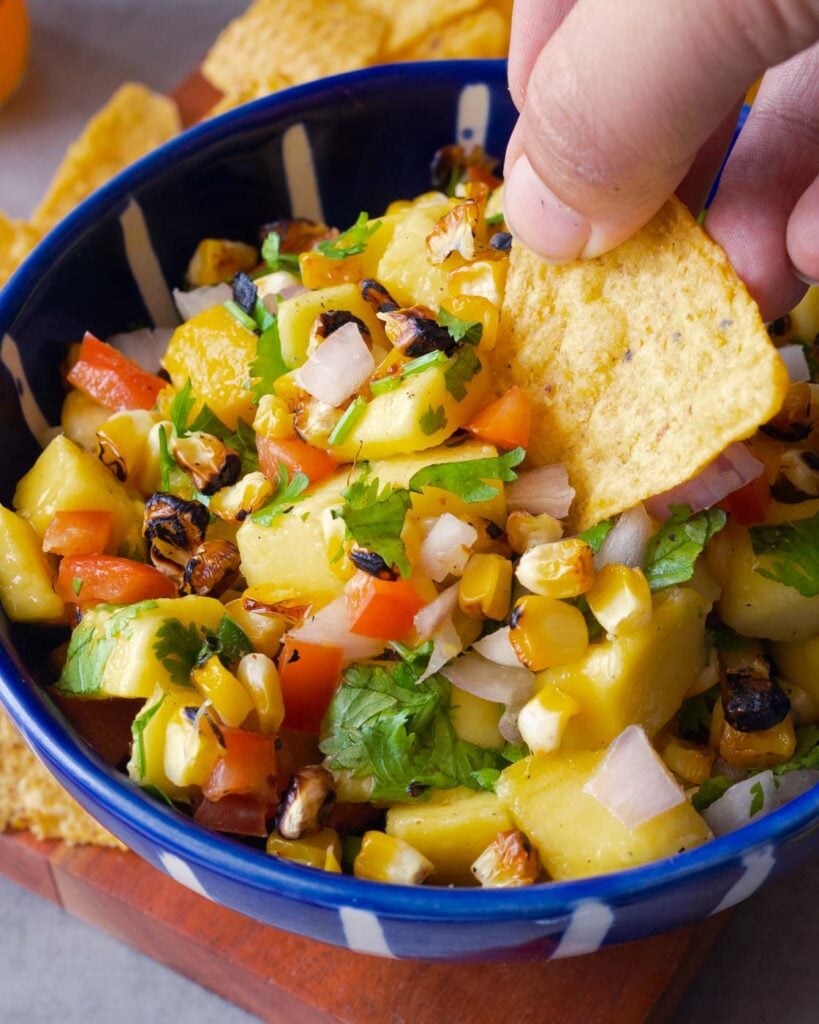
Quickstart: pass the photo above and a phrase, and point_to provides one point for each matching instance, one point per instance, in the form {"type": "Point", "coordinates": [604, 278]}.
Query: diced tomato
{"type": "Point", "coordinates": [248, 767]}
{"type": "Point", "coordinates": [97, 579]}
{"type": "Point", "coordinates": [382, 609]}
{"type": "Point", "coordinates": [296, 455]}
{"type": "Point", "coordinates": [749, 505]}
{"type": "Point", "coordinates": [506, 422]}
{"type": "Point", "coordinates": [294, 750]}
{"type": "Point", "coordinates": [239, 815]}
{"type": "Point", "coordinates": [79, 533]}
{"type": "Point", "coordinates": [308, 674]}
{"type": "Point", "coordinates": [112, 379]}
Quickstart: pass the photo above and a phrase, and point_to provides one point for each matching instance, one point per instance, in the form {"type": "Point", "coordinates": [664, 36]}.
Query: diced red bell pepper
{"type": "Point", "coordinates": [296, 455]}
{"type": "Point", "coordinates": [239, 815]}
{"type": "Point", "coordinates": [506, 422]}
{"type": "Point", "coordinates": [749, 505]}
{"type": "Point", "coordinates": [79, 533]}
{"type": "Point", "coordinates": [112, 379]}
{"type": "Point", "coordinates": [248, 767]}
{"type": "Point", "coordinates": [309, 675]}
{"type": "Point", "coordinates": [382, 609]}
{"type": "Point", "coordinates": [106, 579]}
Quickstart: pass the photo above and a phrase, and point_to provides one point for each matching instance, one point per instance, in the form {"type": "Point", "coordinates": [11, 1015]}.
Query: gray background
{"type": "Point", "coordinates": [53, 968]}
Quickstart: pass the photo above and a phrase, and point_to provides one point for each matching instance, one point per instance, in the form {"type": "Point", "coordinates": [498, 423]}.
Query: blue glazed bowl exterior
{"type": "Point", "coordinates": [330, 148]}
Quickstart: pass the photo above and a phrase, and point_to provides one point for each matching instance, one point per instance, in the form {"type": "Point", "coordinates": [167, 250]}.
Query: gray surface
{"type": "Point", "coordinates": [53, 968]}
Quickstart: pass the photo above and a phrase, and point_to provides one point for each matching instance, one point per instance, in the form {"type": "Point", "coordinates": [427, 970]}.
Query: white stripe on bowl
{"type": "Point", "coordinates": [363, 932]}
{"type": "Point", "coordinates": [300, 174]}
{"type": "Point", "coordinates": [182, 873]}
{"type": "Point", "coordinates": [473, 116]}
{"type": "Point", "coordinates": [587, 929]}
{"type": "Point", "coordinates": [758, 865]}
{"type": "Point", "coordinates": [144, 265]}
{"type": "Point", "coordinates": [38, 425]}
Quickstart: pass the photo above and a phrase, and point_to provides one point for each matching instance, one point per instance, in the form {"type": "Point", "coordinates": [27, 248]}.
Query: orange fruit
{"type": "Point", "coordinates": [14, 39]}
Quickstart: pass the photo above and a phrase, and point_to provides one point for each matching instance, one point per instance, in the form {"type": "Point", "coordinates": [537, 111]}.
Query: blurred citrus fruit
{"type": "Point", "coordinates": [13, 45]}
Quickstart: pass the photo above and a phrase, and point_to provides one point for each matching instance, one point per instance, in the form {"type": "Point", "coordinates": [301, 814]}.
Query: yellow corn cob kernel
{"type": "Point", "coordinates": [331, 863]}
{"type": "Point", "coordinates": [691, 761]}
{"type": "Point", "coordinates": [485, 589]}
{"type": "Point", "coordinates": [804, 705]}
{"type": "Point", "coordinates": [234, 504]}
{"type": "Point", "coordinates": [620, 599]}
{"type": "Point", "coordinates": [543, 719]}
{"type": "Point", "coordinates": [230, 699]}
{"type": "Point", "coordinates": [485, 278]}
{"type": "Point", "coordinates": [547, 632]}
{"type": "Point", "coordinates": [476, 309]}
{"type": "Point", "coordinates": [761, 749]}
{"type": "Point", "coordinates": [122, 442]}
{"type": "Point", "coordinates": [384, 858]}
{"type": "Point", "coordinates": [263, 629]}
{"type": "Point", "coordinates": [259, 676]}
{"type": "Point", "coordinates": [191, 748]}
{"type": "Point", "coordinates": [316, 850]}
{"type": "Point", "coordinates": [508, 862]}
{"type": "Point", "coordinates": [273, 418]}
{"type": "Point", "coordinates": [318, 271]}
{"type": "Point", "coordinates": [397, 206]}
{"type": "Point", "coordinates": [708, 677]}
{"type": "Point", "coordinates": [287, 389]}
{"type": "Point", "coordinates": [526, 531]}
{"type": "Point", "coordinates": [217, 260]}
{"type": "Point", "coordinates": [81, 417]}
{"type": "Point", "coordinates": [562, 569]}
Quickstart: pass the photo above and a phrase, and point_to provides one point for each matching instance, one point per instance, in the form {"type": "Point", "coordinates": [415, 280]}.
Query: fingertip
{"type": "Point", "coordinates": [802, 238]}
{"type": "Point", "coordinates": [538, 219]}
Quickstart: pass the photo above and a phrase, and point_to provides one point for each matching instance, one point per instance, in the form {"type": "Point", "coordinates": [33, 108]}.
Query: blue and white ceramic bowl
{"type": "Point", "coordinates": [327, 149]}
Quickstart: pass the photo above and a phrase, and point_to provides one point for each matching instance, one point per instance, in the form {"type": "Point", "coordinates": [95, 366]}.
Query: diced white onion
{"type": "Point", "coordinates": [446, 645]}
{"type": "Point", "coordinates": [729, 471]}
{"type": "Point", "coordinates": [145, 346]}
{"type": "Point", "coordinates": [445, 549]}
{"type": "Point", "coordinates": [793, 356]}
{"type": "Point", "coordinates": [627, 540]}
{"type": "Point", "coordinates": [508, 723]}
{"type": "Point", "coordinates": [199, 299]}
{"type": "Point", "coordinates": [432, 615]}
{"type": "Point", "coordinates": [491, 681]}
{"type": "Point", "coordinates": [498, 647]}
{"type": "Point", "coordinates": [278, 285]}
{"type": "Point", "coordinates": [331, 626]}
{"type": "Point", "coordinates": [734, 807]}
{"type": "Point", "coordinates": [541, 490]}
{"type": "Point", "coordinates": [632, 782]}
{"type": "Point", "coordinates": [338, 367]}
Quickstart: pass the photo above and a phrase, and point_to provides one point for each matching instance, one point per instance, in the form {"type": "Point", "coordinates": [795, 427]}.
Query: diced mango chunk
{"type": "Point", "coordinates": [405, 269]}
{"type": "Point", "coordinates": [26, 590]}
{"type": "Point", "coordinates": [297, 316]}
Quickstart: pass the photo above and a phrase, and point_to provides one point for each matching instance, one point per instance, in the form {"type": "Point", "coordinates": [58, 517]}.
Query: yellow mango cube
{"type": "Point", "coordinates": [26, 590]}
{"type": "Point", "coordinates": [483, 277]}
{"type": "Point", "coordinates": [297, 316]}
{"type": "Point", "coordinates": [218, 259]}
{"type": "Point", "coordinates": [798, 661]}
{"type": "Point", "coordinates": [475, 719]}
{"type": "Point", "coordinates": [405, 269]}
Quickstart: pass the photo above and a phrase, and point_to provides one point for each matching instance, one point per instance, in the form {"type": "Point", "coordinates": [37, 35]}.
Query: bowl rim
{"type": "Point", "coordinates": [162, 828]}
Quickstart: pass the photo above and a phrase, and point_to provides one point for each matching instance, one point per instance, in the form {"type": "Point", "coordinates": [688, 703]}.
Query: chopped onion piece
{"type": "Point", "coordinates": [199, 299]}
{"type": "Point", "coordinates": [793, 356]}
{"type": "Point", "coordinates": [338, 367]}
{"type": "Point", "coordinates": [331, 626]}
{"type": "Point", "coordinates": [145, 346]}
{"type": "Point", "coordinates": [445, 549]}
{"type": "Point", "coordinates": [508, 723]}
{"type": "Point", "coordinates": [491, 681]}
{"type": "Point", "coordinates": [278, 285]}
{"type": "Point", "coordinates": [632, 782]}
{"type": "Point", "coordinates": [498, 647]}
{"type": "Point", "coordinates": [755, 798]}
{"type": "Point", "coordinates": [627, 541]}
{"type": "Point", "coordinates": [729, 471]}
{"type": "Point", "coordinates": [446, 645]}
{"type": "Point", "coordinates": [541, 490]}
{"type": "Point", "coordinates": [435, 613]}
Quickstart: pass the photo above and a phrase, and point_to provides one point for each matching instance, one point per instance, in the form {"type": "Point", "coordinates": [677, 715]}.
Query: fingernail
{"type": "Point", "coordinates": [538, 219]}
{"type": "Point", "coordinates": [811, 281]}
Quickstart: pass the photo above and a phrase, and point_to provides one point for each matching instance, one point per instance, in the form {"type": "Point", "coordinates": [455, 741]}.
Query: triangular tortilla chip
{"type": "Point", "coordinates": [17, 239]}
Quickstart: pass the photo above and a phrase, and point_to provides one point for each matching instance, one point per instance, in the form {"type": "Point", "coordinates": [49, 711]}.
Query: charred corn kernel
{"type": "Point", "coordinates": [708, 677]}
{"type": "Point", "coordinates": [563, 568]}
{"type": "Point", "coordinates": [485, 278]}
{"type": "Point", "coordinates": [527, 531]}
{"type": "Point", "coordinates": [758, 749]}
{"type": "Point", "coordinates": [234, 504]}
{"type": "Point", "coordinates": [273, 418]}
{"type": "Point", "coordinates": [122, 442]}
{"type": "Point", "coordinates": [192, 747]}
{"type": "Point", "coordinates": [217, 260]}
{"type": "Point", "coordinates": [230, 699]}
{"type": "Point", "coordinates": [485, 588]}
{"type": "Point", "coordinates": [316, 850]}
{"type": "Point", "coordinates": [334, 533]}
{"type": "Point", "coordinates": [286, 388]}
{"type": "Point", "coordinates": [542, 720]}
{"type": "Point", "coordinates": [81, 418]}
{"type": "Point", "coordinates": [318, 271]}
{"type": "Point", "coordinates": [384, 858]}
{"type": "Point", "coordinates": [259, 676]}
{"type": "Point", "coordinates": [508, 862]}
{"type": "Point", "coordinates": [476, 309]}
{"type": "Point", "coordinates": [546, 632]}
{"type": "Point", "coordinates": [804, 705]}
{"type": "Point", "coordinates": [691, 761]}
{"type": "Point", "coordinates": [620, 599]}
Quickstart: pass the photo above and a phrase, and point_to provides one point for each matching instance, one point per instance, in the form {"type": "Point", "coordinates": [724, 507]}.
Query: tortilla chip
{"type": "Point", "coordinates": [229, 100]}
{"type": "Point", "coordinates": [133, 122]}
{"type": "Point", "coordinates": [17, 239]}
{"type": "Point", "coordinates": [642, 365]}
{"type": "Point", "coordinates": [411, 20]}
{"type": "Point", "coordinates": [31, 799]}
{"type": "Point", "coordinates": [300, 41]}
{"type": "Point", "coordinates": [485, 33]}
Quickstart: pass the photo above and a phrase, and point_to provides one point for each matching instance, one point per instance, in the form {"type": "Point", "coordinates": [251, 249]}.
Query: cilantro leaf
{"type": "Point", "coordinates": [275, 258]}
{"type": "Point", "coordinates": [77, 584]}
{"type": "Point", "coordinates": [463, 367]}
{"type": "Point", "coordinates": [468, 479]}
{"type": "Point", "coordinates": [287, 494]}
{"type": "Point", "coordinates": [374, 519]}
{"type": "Point", "coordinates": [138, 727]}
{"type": "Point", "coordinates": [710, 791]}
{"type": "Point", "coordinates": [181, 408]}
{"type": "Point", "coordinates": [469, 331]}
{"type": "Point", "coordinates": [806, 752]}
{"type": "Point", "coordinates": [242, 440]}
{"type": "Point", "coordinates": [432, 420]}
{"type": "Point", "coordinates": [811, 358]}
{"type": "Point", "coordinates": [758, 801]}
{"type": "Point", "coordinates": [595, 535]}
{"type": "Point", "coordinates": [269, 363]}
{"type": "Point", "coordinates": [177, 647]}
{"type": "Point", "coordinates": [229, 642]}
{"type": "Point", "coordinates": [694, 722]}
{"type": "Point", "coordinates": [797, 546]}
{"type": "Point", "coordinates": [352, 241]}
{"type": "Point", "coordinates": [679, 542]}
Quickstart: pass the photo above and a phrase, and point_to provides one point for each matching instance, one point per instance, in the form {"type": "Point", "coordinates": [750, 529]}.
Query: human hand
{"type": "Point", "coordinates": [623, 103]}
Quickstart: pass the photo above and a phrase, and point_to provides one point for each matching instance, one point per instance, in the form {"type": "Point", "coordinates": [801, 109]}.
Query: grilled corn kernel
{"type": "Point", "coordinates": [561, 569]}
{"type": "Point", "coordinates": [546, 632]}
{"type": "Point", "coordinates": [217, 260]}
{"type": "Point", "coordinates": [527, 531]}
{"type": "Point", "coordinates": [620, 599]}
{"type": "Point", "coordinates": [263, 629]}
{"type": "Point", "coordinates": [81, 418]}
{"type": "Point", "coordinates": [234, 504]}
{"type": "Point", "coordinates": [230, 700]}
{"type": "Point", "coordinates": [761, 749]}
{"type": "Point", "coordinates": [318, 271]}
{"type": "Point", "coordinates": [485, 589]}
{"type": "Point", "coordinates": [542, 720]}
{"type": "Point", "coordinates": [384, 858]}
{"type": "Point", "coordinates": [717, 723]}
{"type": "Point", "coordinates": [708, 677]}
{"type": "Point", "coordinates": [476, 309]}
{"type": "Point", "coordinates": [508, 862]}
{"type": "Point", "coordinates": [122, 442]}
{"type": "Point", "coordinates": [485, 278]}
{"type": "Point", "coordinates": [398, 206]}
{"type": "Point", "coordinates": [273, 419]}
{"type": "Point", "coordinates": [258, 675]}
{"type": "Point", "coordinates": [804, 705]}
{"type": "Point", "coordinates": [331, 863]}
{"type": "Point", "coordinates": [191, 747]}
{"type": "Point", "coordinates": [691, 761]}
{"type": "Point", "coordinates": [317, 850]}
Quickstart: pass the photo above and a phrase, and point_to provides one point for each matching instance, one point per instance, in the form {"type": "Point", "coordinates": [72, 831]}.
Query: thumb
{"type": "Point", "coordinates": [620, 100]}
